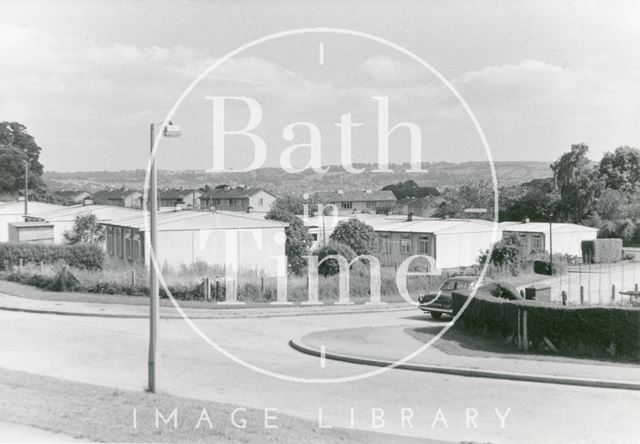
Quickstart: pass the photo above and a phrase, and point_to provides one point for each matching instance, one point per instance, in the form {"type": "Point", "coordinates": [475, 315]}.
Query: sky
{"type": "Point", "coordinates": [88, 77]}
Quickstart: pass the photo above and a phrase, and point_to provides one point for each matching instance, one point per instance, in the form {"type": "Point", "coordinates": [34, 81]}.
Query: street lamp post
{"type": "Point", "coordinates": [170, 130]}
{"type": "Point", "coordinates": [26, 187]}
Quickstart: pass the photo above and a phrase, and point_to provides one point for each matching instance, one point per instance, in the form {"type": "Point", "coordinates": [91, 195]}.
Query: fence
{"type": "Point", "coordinates": [597, 284]}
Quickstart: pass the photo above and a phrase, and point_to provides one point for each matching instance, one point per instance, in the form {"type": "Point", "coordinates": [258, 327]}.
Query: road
{"type": "Point", "coordinates": [113, 352]}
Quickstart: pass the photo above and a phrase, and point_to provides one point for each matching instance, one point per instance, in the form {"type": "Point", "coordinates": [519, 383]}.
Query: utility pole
{"type": "Point", "coordinates": [26, 187]}
{"type": "Point", "coordinates": [550, 246]}
{"type": "Point", "coordinates": [154, 295]}
{"type": "Point", "coordinates": [170, 130]}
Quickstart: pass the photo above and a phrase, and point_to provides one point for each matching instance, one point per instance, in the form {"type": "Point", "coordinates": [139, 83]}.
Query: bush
{"type": "Point", "coordinates": [602, 250]}
{"type": "Point", "coordinates": [331, 266]}
{"type": "Point", "coordinates": [87, 256]}
{"type": "Point", "coordinates": [574, 330]}
{"type": "Point", "coordinates": [508, 253]}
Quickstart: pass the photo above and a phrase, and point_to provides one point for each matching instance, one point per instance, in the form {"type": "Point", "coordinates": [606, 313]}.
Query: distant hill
{"type": "Point", "coordinates": [440, 175]}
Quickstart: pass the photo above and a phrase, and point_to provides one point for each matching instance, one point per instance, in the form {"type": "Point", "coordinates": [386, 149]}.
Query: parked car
{"type": "Point", "coordinates": [437, 303]}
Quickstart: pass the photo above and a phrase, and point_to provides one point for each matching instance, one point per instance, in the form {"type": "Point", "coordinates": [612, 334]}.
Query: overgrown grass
{"type": "Point", "coordinates": [185, 283]}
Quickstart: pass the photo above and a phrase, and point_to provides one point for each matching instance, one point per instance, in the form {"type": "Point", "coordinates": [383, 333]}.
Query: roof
{"type": "Point", "coordinates": [234, 193]}
{"type": "Point", "coordinates": [30, 224]}
{"type": "Point", "coordinates": [197, 220]}
{"type": "Point", "coordinates": [356, 196]}
{"type": "Point", "coordinates": [104, 213]}
{"type": "Point", "coordinates": [400, 224]}
{"type": "Point", "coordinates": [63, 193]}
{"type": "Point", "coordinates": [114, 194]}
{"type": "Point", "coordinates": [176, 193]}
{"type": "Point", "coordinates": [34, 208]}
{"type": "Point", "coordinates": [543, 227]}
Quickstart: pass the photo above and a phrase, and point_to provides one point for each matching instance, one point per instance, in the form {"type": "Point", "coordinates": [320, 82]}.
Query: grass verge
{"type": "Point", "coordinates": [99, 413]}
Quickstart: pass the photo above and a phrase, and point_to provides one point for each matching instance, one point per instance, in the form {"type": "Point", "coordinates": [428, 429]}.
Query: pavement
{"type": "Point", "coordinates": [387, 345]}
{"type": "Point", "coordinates": [253, 365]}
{"type": "Point", "coordinates": [91, 309]}
{"type": "Point", "coordinates": [13, 433]}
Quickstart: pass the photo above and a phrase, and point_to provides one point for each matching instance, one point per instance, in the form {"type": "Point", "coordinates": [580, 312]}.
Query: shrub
{"type": "Point", "coordinates": [574, 330]}
{"type": "Point", "coordinates": [89, 256]}
{"type": "Point", "coordinates": [507, 253]}
{"type": "Point", "coordinates": [356, 234]}
{"type": "Point", "coordinates": [602, 250]}
{"type": "Point", "coordinates": [331, 266]}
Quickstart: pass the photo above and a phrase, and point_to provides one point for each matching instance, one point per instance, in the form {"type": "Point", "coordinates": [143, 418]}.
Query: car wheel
{"type": "Point", "coordinates": [436, 315]}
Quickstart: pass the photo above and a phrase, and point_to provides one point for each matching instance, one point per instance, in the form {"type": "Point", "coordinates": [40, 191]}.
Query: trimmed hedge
{"type": "Point", "coordinates": [573, 330]}
{"type": "Point", "coordinates": [88, 256]}
{"type": "Point", "coordinates": [602, 250]}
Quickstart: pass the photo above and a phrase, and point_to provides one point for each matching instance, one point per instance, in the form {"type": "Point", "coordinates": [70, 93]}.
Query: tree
{"type": "Point", "coordinates": [529, 200]}
{"type": "Point", "coordinates": [410, 188]}
{"type": "Point", "coordinates": [356, 234]}
{"type": "Point", "coordinates": [475, 195]}
{"type": "Point", "coordinates": [508, 252]}
{"type": "Point", "coordinates": [17, 147]}
{"type": "Point", "coordinates": [620, 170]}
{"type": "Point", "coordinates": [578, 182]}
{"type": "Point", "coordinates": [298, 238]}
{"type": "Point", "coordinates": [333, 248]}
{"type": "Point", "coordinates": [86, 229]}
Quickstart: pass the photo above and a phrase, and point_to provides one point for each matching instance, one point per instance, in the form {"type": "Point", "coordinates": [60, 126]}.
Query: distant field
{"type": "Point", "coordinates": [439, 174]}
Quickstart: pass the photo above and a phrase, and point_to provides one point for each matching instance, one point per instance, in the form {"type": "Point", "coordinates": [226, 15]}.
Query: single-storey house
{"type": "Point", "coordinates": [566, 238]}
{"type": "Point", "coordinates": [238, 199]}
{"type": "Point", "coordinates": [73, 197]}
{"type": "Point", "coordinates": [119, 198]}
{"type": "Point", "coordinates": [452, 243]}
{"type": "Point", "coordinates": [12, 212]}
{"type": "Point", "coordinates": [353, 202]}
{"type": "Point", "coordinates": [419, 206]}
{"type": "Point", "coordinates": [62, 219]}
{"type": "Point", "coordinates": [217, 238]}
{"type": "Point", "coordinates": [187, 199]}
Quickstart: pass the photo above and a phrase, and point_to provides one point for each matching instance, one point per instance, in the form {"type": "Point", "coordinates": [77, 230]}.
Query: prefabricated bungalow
{"type": "Point", "coordinates": [238, 199]}
{"type": "Point", "coordinates": [119, 198]}
{"type": "Point", "coordinates": [214, 237]}
{"type": "Point", "coordinates": [73, 197]}
{"type": "Point", "coordinates": [187, 199]}
{"type": "Point", "coordinates": [354, 201]}
{"type": "Point", "coordinates": [566, 238]}
{"type": "Point", "coordinates": [13, 212]}
{"type": "Point", "coordinates": [453, 243]}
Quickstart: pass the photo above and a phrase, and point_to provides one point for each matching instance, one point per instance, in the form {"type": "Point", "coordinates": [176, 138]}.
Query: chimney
{"type": "Point", "coordinates": [212, 209]}
{"type": "Point", "coordinates": [340, 192]}
{"type": "Point", "coordinates": [368, 191]}
{"type": "Point", "coordinates": [410, 217]}
{"type": "Point", "coordinates": [525, 220]}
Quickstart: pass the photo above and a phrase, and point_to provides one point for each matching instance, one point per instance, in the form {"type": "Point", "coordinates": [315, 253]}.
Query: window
{"type": "Point", "coordinates": [347, 205]}
{"type": "Point", "coordinates": [261, 202]}
{"type": "Point", "coordinates": [537, 242]}
{"type": "Point", "coordinates": [110, 241]}
{"type": "Point", "coordinates": [119, 242]}
{"type": "Point", "coordinates": [128, 249]}
{"type": "Point", "coordinates": [136, 247]}
{"type": "Point", "coordinates": [216, 201]}
{"type": "Point", "coordinates": [405, 245]}
{"type": "Point", "coordinates": [424, 245]}
{"type": "Point", "coordinates": [386, 245]}
{"type": "Point", "coordinates": [371, 205]}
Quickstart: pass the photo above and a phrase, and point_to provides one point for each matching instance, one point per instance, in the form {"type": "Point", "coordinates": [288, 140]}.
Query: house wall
{"type": "Point", "coordinates": [563, 242]}
{"type": "Point", "coordinates": [261, 202]}
{"type": "Point", "coordinates": [455, 250]}
{"type": "Point", "coordinates": [392, 248]}
{"type": "Point", "coordinates": [361, 206]}
{"type": "Point", "coordinates": [241, 249]}
{"type": "Point", "coordinates": [35, 234]}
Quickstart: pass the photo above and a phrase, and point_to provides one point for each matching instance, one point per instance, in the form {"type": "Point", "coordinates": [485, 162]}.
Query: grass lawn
{"type": "Point", "coordinates": [459, 342]}
{"type": "Point", "coordinates": [99, 413]}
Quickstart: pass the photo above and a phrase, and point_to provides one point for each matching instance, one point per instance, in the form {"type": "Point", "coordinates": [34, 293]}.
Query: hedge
{"type": "Point", "coordinates": [573, 330]}
{"type": "Point", "coordinates": [602, 250]}
{"type": "Point", "coordinates": [88, 256]}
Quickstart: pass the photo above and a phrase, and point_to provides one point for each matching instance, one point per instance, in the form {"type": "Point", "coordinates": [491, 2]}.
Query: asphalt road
{"type": "Point", "coordinates": [113, 352]}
